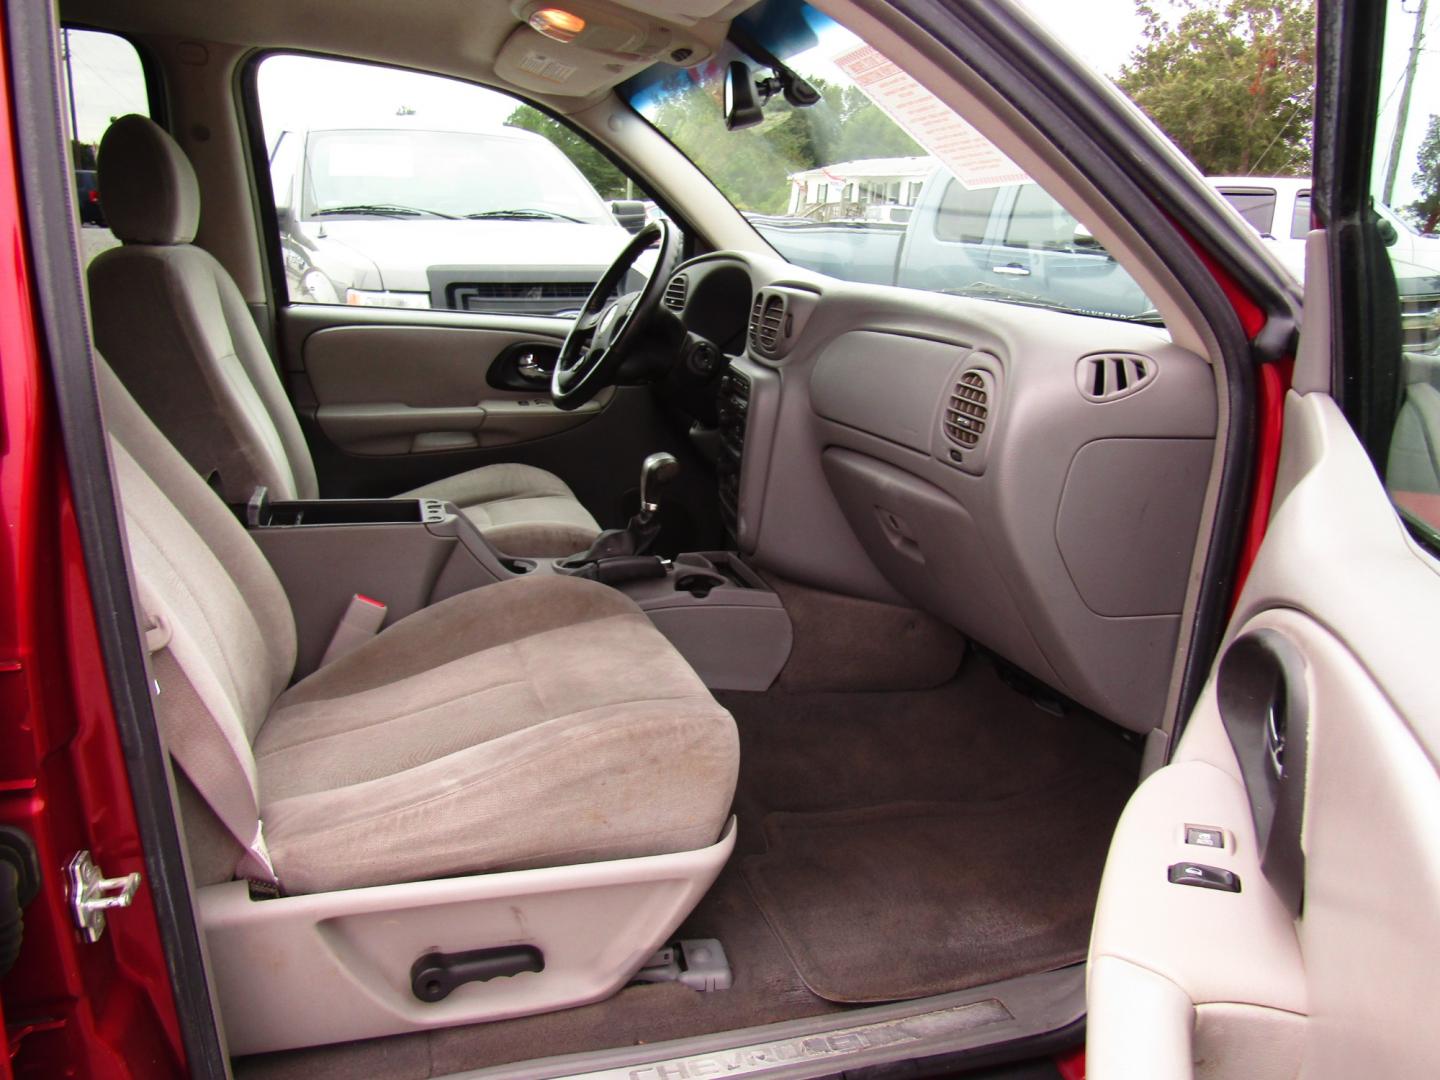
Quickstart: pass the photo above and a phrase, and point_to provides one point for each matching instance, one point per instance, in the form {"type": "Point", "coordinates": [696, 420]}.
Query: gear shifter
{"type": "Point", "coordinates": [655, 474]}
{"type": "Point", "coordinates": [629, 545]}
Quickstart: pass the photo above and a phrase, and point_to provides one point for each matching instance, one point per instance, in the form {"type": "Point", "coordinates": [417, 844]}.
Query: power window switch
{"type": "Point", "coordinates": [1205, 836]}
{"type": "Point", "coordinates": [1204, 877]}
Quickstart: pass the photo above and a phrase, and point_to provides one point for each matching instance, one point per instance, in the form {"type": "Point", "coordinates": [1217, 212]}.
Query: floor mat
{"type": "Point", "coordinates": [827, 757]}
{"type": "Point", "coordinates": [911, 899]}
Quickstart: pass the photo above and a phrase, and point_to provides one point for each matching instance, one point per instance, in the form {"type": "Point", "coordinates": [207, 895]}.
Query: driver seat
{"type": "Point", "coordinates": [175, 328]}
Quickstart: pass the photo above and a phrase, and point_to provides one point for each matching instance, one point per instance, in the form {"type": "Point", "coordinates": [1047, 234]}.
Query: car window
{"type": "Point", "coordinates": [964, 214]}
{"type": "Point", "coordinates": [1300, 217]}
{"type": "Point", "coordinates": [103, 79]}
{"type": "Point", "coordinates": [818, 181]}
{"type": "Point", "coordinates": [402, 189]}
{"type": "Point", "coordinates": [1257, 206]}
{"type": "Point", "coordinates": [1038, 221]}
{"type": "Point", "coordinates": [1403, 384]}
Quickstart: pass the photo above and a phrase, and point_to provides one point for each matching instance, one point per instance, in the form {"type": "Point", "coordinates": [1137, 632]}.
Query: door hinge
{"type": "Point", "coordinates": [92, 894]}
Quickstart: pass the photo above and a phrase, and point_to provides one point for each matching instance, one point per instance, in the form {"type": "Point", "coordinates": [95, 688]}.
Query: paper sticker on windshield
{"type": "Point", "coordinates": [973, 158]}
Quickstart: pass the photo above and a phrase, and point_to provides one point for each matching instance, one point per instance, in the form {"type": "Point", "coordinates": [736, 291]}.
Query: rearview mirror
{"type": "Point", "coordinates": [630, 213]}
{"type": "Point", "coordinates": [742, 110]}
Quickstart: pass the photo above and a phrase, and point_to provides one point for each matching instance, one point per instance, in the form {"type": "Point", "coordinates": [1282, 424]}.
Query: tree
{"type": "Point", "coordinates": [603, 176]}
{"type": "Point", "coordinates": [752, 166]}
{"type": "Point", "coordinates": [1232, 82]}
{"type": "Point", "coordinates": [1426, 209]}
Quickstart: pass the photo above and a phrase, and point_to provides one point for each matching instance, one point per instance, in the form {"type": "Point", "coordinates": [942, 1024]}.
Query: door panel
{"type": "Point", "coordinates": [1346, 988]}
{"type": "Point", "coordinates": [418, 389]}
{"type": "Point", "coordinates": [438, 365]}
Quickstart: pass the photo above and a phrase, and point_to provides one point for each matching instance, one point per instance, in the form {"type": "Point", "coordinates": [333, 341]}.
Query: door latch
{"type": "Point", "coordinates": [92, 894]}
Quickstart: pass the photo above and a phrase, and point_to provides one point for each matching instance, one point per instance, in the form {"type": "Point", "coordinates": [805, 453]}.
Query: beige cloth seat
{"type": "Point", "coordinates": [172, 323]}
{"type": "Point", "coordinates": [538, 722]}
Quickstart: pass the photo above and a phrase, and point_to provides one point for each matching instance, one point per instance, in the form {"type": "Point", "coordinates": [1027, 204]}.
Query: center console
{"type": "Point", "coordinates": [411, 553]}
{"type": "Point", "coordinates": [408, 553]}
{"type": "Point", "coordinates": [721, 616]}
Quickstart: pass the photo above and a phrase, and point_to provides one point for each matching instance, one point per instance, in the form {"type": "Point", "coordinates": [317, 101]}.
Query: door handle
{"type": "Point", "coordinates": [1013, 269]}
{"type": "Point", "coordinates": [529, 367]}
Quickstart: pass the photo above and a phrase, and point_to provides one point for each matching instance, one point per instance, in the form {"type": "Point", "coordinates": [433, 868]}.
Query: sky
{"type": "Point", "coordinates": [107, 80]}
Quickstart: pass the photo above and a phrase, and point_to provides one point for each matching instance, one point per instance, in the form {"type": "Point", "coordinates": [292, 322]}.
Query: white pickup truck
{"type": "Point", "coordinates": [1278, 208]}
{"type": "Point", "coordinates": [423, 219]}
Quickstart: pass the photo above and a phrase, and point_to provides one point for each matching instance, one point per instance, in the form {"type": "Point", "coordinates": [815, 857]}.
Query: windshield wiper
{"type": "Point", "coordinates": [521, 215]}
{"type": "Point", "coordinates": [986, 290]}
{"type": "Point", "coordinates": [381, 210]}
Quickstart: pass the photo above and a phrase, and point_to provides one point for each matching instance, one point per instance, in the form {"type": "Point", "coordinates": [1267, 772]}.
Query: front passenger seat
{"type": "Point", "coordinates": [174, 327]}
{"type": "Point", "coordinates": [538, 722]}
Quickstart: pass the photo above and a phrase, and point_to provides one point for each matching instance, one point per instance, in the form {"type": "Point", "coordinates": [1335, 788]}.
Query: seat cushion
{"type": "Point", "coordinates": [520, 509]}
{"type": "Point", "coordinates": [538, 722]}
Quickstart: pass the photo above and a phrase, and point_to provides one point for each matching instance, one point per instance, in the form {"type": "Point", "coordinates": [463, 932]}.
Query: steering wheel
{"type": "Point", "coordinates": [606, 329]}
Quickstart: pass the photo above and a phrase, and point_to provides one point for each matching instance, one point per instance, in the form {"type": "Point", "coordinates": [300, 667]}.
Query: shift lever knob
{"type": "Point", "coordinates": [657, 471]}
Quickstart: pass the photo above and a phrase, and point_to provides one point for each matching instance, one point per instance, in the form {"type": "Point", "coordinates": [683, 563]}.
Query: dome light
{"type": "Point", "coordinates": [557, 24]}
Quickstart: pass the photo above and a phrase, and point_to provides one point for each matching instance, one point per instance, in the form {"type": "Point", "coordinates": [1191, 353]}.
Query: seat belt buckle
{"type": "Point", "coordinates": [362, 621]}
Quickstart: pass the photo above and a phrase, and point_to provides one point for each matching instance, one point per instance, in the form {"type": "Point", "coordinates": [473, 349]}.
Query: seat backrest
{"type": "Point", "coordinates": [173, 325]}
{"type": "Point", "coordinates": [219, 625]}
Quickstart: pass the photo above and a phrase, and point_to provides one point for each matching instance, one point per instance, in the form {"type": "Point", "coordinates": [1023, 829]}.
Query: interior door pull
{"type": "Point", "coordinates": [529, 367]}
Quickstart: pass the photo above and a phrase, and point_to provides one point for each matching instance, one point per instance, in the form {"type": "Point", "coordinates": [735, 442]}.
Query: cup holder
{"type": "Point", "coordinates": [518, 566]}
{"type": "Point", "coordinates": [699, 583]}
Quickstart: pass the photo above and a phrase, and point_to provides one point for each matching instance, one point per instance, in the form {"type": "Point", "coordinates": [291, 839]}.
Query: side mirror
{"type": "Point", "coordinates": [1388, 234]}
{"type": "Point", "coordinates": [630, 213]}
{"type": "Point", "coordinates": [742, 109]}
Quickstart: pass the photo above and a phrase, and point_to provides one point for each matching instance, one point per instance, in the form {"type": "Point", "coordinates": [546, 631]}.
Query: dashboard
{"type": "Point", "coordinates": [1034, 478]}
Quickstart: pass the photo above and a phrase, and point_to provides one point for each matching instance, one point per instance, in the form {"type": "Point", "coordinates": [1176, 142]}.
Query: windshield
{"type": "Point", "coordinates": [444, 174]}
{"type": "Point", "coordinates": [879, 182]}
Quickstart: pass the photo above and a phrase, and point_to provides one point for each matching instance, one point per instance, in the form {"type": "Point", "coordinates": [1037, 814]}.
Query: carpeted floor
{"type": "Point", "coordinates": [891, 845]}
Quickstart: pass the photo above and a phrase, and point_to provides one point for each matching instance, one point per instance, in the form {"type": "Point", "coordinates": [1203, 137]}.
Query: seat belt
{"type": "Point", "coordinates": [199, 743]}
{"type": "Point", "coordinates": [361, 622]}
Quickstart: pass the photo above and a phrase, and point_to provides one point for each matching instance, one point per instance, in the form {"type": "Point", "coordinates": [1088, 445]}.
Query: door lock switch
{"type": "Point", "coordinates": [1204, 877]}
{"type": "Point", "coordinates": [1205, 836]}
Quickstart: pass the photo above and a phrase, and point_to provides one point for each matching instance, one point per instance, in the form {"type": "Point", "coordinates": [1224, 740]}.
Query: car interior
{"type": "Point", "coordinates": [785, 658]}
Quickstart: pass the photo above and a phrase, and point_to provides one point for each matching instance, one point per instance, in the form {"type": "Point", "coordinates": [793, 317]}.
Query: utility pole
{"type": "Point", "coordinates": [70, 93]}
{"type": "Point", "coordinates": [1404, 112]}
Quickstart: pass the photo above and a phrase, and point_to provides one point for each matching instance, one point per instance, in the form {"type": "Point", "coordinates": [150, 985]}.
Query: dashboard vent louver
{"type": "Point", "coordinates": [1113, 375]}
{"type": "Point", "coordinates": [755, 310]}
{"type": "Point", "coordinates": [772, 317]}
{"type": "Point", "coordinates": [968, 411]}
{"type": "Point", "coordinates": [675, 292]}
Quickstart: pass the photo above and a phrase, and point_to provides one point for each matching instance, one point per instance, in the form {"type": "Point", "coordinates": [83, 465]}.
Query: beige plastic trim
{"type": "Point", "coordinates": [1215, 946]}
{"type": "Point", "coordinates": [330, 967]}
{"type": "Point", "coordinates": [1312, 360]}
{"type": "Point", "coordinates": [1247, 1042]}
{"type": "Point", "coordinates": [1153, 1043]}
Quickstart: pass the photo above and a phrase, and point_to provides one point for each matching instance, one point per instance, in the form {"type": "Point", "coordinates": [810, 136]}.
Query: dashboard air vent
{"type": "Point", "coordinates": [1113, 375]}
{"type": "Point", "coordinates": [755, 310]}
{"type": "Point", "coordinates": [968, 410]}
{"type": "Point", "coordinates": [772, 317]}
{"type": "Point", "coordinates": [675, 293]}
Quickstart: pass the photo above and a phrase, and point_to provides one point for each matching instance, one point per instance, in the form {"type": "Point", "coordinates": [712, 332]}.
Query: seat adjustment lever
{"type": "Point", "coordinates": [435, 975]}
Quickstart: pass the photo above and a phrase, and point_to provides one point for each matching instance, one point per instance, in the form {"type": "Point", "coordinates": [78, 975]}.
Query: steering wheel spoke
{"type": "Point", "coordinates": [607, 329]}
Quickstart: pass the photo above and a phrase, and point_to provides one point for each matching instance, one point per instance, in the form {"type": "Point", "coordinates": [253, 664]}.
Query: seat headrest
{"type": "Point", "coordinates": [147, 184]}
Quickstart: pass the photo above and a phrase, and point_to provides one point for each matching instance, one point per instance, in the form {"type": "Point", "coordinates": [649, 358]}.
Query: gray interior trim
{"type": "Point", "coordinates": [1099, 130]}
{"type": "Point", "coordinates": [1063, 538]}
{"type": "Point", "coordinates": [1027, 1007]}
